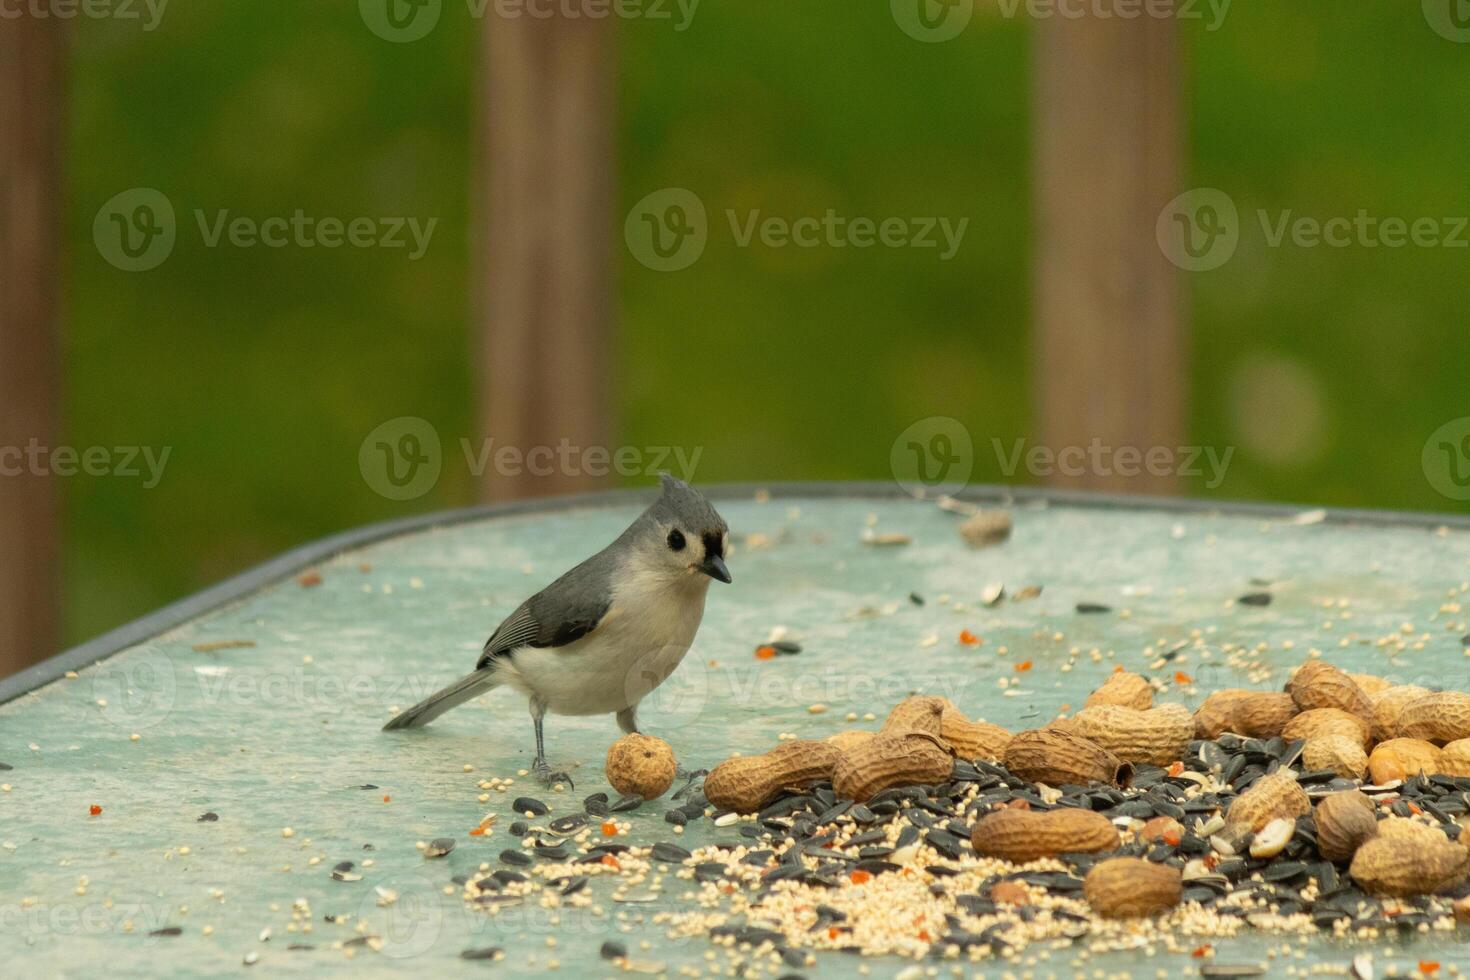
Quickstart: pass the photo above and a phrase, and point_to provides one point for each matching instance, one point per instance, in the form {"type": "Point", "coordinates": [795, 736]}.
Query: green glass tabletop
{"type": "Point", "coordinates": [179, 807]}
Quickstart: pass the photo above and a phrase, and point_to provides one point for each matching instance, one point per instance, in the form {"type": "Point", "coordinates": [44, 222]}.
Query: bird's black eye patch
{"type": "Point", "coordinates": [714, 546]}
{"type": "Point", "coordinates": [676, 540]}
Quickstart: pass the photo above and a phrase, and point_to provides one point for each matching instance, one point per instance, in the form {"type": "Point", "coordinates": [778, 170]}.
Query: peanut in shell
{"type": "Point", "coordinates": [1129, 887]}
{"type": "Point", "coordinates": [1388, 705]}
{"type": "Point", "coordinates": [1058, 758]}
{"type": "Point", "coordinates": [1441, 718]}
{"type": "Point", "coordinates": [1157, 736]}
{"type": "Point", "coordinates": [971, 740]}
{"type": "Point", "coordinates": [918, 713]}
{"type": "Point", "coordinates": [1028, 835]}
{"type": "Point", "coordinates": [1405, 861]}
{"type": "Point", "coordinates": [1254, 714]}
{"type": "Point", "coordinates": [747, 783]}
{"type": "Point", "coordinates": [1125, 689]}
{"type": "Point", "coordinates": [1274, 795]}
{"type": "Point", "coordinates": [1402, 758]}
{"type": "Point", "coordinates": [888, 760]}
{"type": "Point", "coordinates": [1322, 722]}
{"type": "Point", "coordinates": [1318, 684]}
{"type": "Point", "coordinates": [1344, 821]}
{"type": "Point", "coordinates": [1342, 755]}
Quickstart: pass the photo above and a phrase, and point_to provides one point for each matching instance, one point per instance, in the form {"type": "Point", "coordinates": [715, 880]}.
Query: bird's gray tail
{"type": "Point", "coordinates": [456, 694]}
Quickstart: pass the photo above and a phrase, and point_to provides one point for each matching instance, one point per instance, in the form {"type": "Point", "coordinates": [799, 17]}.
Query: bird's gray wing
{"type": "Point", "coordinates": [566, 610]}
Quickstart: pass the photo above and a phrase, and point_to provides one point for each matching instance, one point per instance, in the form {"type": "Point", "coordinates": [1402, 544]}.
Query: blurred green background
{"type": "Point", "coordinates": [264, 369]}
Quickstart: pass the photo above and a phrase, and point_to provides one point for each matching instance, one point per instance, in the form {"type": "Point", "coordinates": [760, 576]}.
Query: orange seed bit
{"type": "Point", "coordinates": [309, 580]}
{"type": "Point", "coordinates": [1428, 966]}
{"type": "Point", "coordinates": [1180, 677]}
{"type": "Point", "coordinates": [1176, 768]}
{"type": "Point", "coordinates": [1200, 952]}
{"type": "Point", "coordinates": [609, 829]}
{"type": "Point", "coordinates": [860, 877]}
{"type": "Point", "coordinates": [1023, 666]}
{"type": "Point", "coordinates": [969, 639]}
{"type": "Point", "coordinates": [477, 831]}
{"type": "Point", "coordinates": [95, 810]}
{"type": "Point", "coordinates": [765, 653]}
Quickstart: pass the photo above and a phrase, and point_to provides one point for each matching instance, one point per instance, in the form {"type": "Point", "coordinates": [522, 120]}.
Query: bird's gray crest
{"type": "Point", "coordinates": [681, 503]}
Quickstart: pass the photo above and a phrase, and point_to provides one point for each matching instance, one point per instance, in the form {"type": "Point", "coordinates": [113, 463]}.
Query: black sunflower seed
{"type": "Point", "coordinates": [516, 857]}
{"type": "Point", "coordinates": [508, 877]}
{"type": "Point", "coordinates": [945, 843]}
{"type": "Point", "coordinates": [210, 817]}
{"type": "Point", "coordinates": [552, 852]}
{"type": "Point", "coordinates": [670, 853]}
{"type": "Point", "coordinates": [519, 828]}
{"type": "Point", "coordinates": [531, 805]}
{"type": "Point", "coordinates": [569, 824]}
{"type": "Point", "coordinates": [483, 953]}
{"type": "Point", "coordinates": [167, 931]}
{"type": "Point", "coordinates": [613, 950]}
{"type": "Point", "coordinates": [1255, 599]}
{"type": "Point", "coordinates": [438, 847]}
{"type": "Point", "coordinates": [626, 804]}
{"type": "Point", "coordinates": [676, 817]}
{"type": "Point", "coordinates": [575, 885]}
{"type": "Point", "coordinates": [1093, 607]}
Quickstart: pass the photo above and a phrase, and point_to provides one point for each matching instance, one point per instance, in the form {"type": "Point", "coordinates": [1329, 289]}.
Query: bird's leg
{"type": "Point", "coordinates": [540, 767]}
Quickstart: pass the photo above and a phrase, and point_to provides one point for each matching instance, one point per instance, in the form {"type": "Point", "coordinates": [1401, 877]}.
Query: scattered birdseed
{"type": "Point", "coordinates": [438, 847]}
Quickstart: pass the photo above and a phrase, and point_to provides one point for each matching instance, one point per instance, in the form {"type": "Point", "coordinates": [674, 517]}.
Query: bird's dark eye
{"type": "Point", "coordinates": [676, 540]}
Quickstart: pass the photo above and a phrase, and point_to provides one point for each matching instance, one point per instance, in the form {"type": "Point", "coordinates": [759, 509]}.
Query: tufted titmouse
{"type": "Point", "coordinates": [605, 634]}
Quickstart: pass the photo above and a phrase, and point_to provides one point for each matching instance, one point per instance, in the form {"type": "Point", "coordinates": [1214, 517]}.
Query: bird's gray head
{"type": "Point", "coordinates": [682, 535]}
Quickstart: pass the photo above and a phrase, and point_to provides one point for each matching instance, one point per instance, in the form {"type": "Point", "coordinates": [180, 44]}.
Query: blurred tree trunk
{"type": "Point", "coordinates": [1110, 322]}
{"type": "Point", "coordinates": [31, 87]}
{"type": "Point", "coordinates": [545, 254]}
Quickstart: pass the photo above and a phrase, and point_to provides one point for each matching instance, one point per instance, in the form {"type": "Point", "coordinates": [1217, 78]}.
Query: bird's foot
{"type": "Point", "coordinates": [548, 778]}
{"type": "Point", "coordinates": [689, 778]}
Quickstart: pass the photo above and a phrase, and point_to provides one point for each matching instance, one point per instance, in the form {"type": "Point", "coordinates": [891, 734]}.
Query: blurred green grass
{"type": "Point", "coordinates": [264, 369]}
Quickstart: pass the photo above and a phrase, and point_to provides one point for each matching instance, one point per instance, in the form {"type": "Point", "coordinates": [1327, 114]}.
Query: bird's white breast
{"type": "Point", "coordinates": [642, 637]}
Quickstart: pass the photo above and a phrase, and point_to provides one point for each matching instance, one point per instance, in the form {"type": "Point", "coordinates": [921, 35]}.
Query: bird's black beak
{"type": "Point", "coordinates": [714, 567]}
